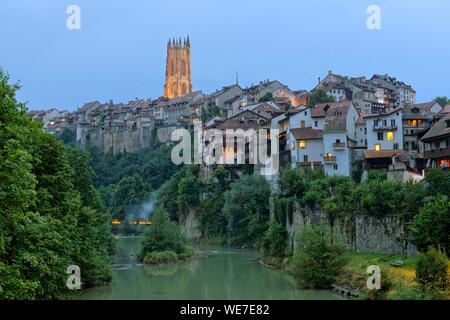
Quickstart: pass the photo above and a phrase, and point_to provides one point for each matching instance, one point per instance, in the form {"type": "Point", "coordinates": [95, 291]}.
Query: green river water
{"type": "Point", "coordinates": [218, 273]}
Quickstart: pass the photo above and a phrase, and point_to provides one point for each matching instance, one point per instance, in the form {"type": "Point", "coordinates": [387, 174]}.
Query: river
{"type": "Point", "coordinates": [218, 273]}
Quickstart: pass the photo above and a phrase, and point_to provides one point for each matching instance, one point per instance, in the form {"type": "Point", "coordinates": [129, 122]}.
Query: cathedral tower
{"type": "Point", "coordinates": [178, 68]}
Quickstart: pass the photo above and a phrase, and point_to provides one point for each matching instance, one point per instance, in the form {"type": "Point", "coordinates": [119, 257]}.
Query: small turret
{"type": "Point", "coordinates": [188, 43]}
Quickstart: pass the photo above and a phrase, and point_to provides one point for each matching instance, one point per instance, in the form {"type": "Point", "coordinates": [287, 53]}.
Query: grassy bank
{"type": "Point", "coordinates": [401, 280]}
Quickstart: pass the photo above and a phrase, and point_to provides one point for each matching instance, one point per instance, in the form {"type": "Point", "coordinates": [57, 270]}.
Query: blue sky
{"type": "Point", "coordinates": [119, 53]}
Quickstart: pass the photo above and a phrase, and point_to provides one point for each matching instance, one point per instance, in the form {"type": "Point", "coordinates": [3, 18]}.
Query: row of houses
{"type": "Point", "coordinates": [373, 123]}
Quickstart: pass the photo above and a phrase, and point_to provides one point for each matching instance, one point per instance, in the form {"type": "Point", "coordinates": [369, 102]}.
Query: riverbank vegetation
{"type": "Point", "coordinates": [51, 215]}
{"type": "Point", "coordinates": [163, 241]}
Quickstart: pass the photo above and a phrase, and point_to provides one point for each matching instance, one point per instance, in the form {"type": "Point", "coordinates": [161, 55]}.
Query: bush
{"type": "Point", "coordinates": [431, 227]}
{"type": "Point", "coordinates": [274, 240]}
{"type": "Point", "coordinates": [160, 257]}
{"type": "Point", "coordinates": [311, 198]}
{"type": "Point", "coordinates": [318, 259]}
{"type": "Point", "coordinates": [377, 175]}
{"type": "Point", "coordinates": [162, 235]}
{"type": "Point", "coordinates": [431, 270]}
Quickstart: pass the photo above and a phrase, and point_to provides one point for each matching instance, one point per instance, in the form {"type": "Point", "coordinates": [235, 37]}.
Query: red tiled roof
{"type": "Point", "coordinates": [306, 133]}
{"type": "Point", "coordinates": [371, 154]}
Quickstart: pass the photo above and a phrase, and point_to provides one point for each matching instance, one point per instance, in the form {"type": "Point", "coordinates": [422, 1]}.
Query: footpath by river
{"type": "Point", "coordinates": [218, 273]}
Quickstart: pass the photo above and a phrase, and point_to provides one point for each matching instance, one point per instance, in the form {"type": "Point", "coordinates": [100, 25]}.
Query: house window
{"type": "Point", "coordinates": [335, 167]}
{"type": "Point", "coordinates": [305, 158]}
{"type": "Point", "coordinates": [380, 136]}
{"type": "Point", "coordinates": [302, 144]}
{"type": "Point", "coordinates": [329, 155]}
{"type": "Point", "coordinates": [392, 122]}
{"type": "Point", "coordinates": [292, 145]}
{"type": "Point", "coordinates": [302, 123]}
{"type": "Point", "coordinates": [395, 146]}
{"type": "Point", "coordinates": [377, 147]}
{"type": "Point", "coordinates": [390, 136]}
{"type": "Point", "coordinates": [316, 123]}
{"type": "Point", "coordinates": [306, 113]}
{"type": "Point", "coordinates": [365, 130]}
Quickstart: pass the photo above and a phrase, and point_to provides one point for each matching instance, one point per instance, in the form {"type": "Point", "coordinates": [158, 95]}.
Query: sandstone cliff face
{"type": "Point", "coordinates": [358, 233]}
{"type": "Point", "coordinates": [190, 225]}
{"type": "Point", "coordinates": [116, 140]}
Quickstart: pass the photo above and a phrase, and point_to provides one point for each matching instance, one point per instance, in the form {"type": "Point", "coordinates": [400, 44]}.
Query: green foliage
{"type": "Point", "coordinates": [283, 207]}
{"type": "Point", "coordinates": [319, 96]}
{"type": "Point", "coordinates": [431, 270]}
{"type": "Point", "coordinates": [129, 191]}
{"type": "Point", "coordinates": [212, 220]}
{"type": "Point", "coordinates": [443, 100]}
{"type": "Point", "coordinates": [67, 137]}
{"type": "Point", "coordinates": [293, 182]}
{"type": "Point", "coordinates": [311, 198]}
{"type": "Point", "coordinates": [274, 240]}
{"type": "Point", "coordinates": [51, 216]}
{"type": "Point", "coordinates": [168, 193]}
{"type": "Point", "coordinates": [154, 167]}
{"type": "Point", "coordinates": [209, 113]}
{"type": "Point", "coordinates": [380, 198]}
{"type": "Point", "coordinates": [431, 227]}
{"type": "Point", "coordinates": [377, 175]}
{"type": "Point", "coordinates": [318, 259]}
{"type": "Point", "coordinates": [160, 257]}
{"type": "Point", "coordinates": [438, 182]}
{"type": "Point", "coordinates": [267, 97]}
{"type": "Point", "coordinates": [162, 235]}
{"type": "Point", "coordinates": [247, 209]}
{"type": "Point", "coordinates": [188, 193]}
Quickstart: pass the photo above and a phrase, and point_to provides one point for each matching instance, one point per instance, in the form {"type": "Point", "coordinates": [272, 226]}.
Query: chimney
{"type": "Point", "coordinates": [319, 80]}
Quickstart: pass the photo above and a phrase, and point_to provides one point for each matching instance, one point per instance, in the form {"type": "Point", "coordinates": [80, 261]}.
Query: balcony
{"type": "Point", "coordinates": [438, 153]}
{"type": "Point", "coordinates": [384, 128]}
{"type": "Point", "coordinates": [339, 145]}
{"type": "Point", "coordinates": [309, 164]}
{"type": "Point", "coordinates": [331, 159]}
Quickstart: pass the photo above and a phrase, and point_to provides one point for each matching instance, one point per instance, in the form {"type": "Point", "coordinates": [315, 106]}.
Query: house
{"type": "Point", "coordinates": [437, 144]}
{"type": "Point", "coordinates": [384, 139]}
{"type": "Point", "coordinates": [324, 135]}
{"type": "Point", "coordinates": [171, 110]}
{"type": "Point", "coordinates": [417, 119]}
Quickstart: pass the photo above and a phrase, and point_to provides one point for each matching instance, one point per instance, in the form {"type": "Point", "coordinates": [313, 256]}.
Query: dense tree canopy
{"type": "Point", "coordinates": [50, 215]}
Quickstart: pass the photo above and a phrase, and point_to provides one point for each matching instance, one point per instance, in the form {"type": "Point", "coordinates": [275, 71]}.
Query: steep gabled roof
{"type": "Point", "coordinates": [440, 128]}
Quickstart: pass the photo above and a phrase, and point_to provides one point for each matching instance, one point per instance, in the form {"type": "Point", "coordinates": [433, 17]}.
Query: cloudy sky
{"type": "Point", "coordinates": [119, 52]}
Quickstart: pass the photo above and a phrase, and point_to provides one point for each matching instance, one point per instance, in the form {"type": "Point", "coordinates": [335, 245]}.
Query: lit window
{"type": "Point", "coordinates": [390, 136]}
{"type": "Point", "coordinates": [302, 144]}
{"type": "Point", "coordinates": [329, 155]}
{"type": "Point", "coordinates": [377, 147]}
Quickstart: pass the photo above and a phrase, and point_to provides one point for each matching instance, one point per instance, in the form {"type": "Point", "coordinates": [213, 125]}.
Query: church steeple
{"type": "Point", "coordinates": [178, 68]}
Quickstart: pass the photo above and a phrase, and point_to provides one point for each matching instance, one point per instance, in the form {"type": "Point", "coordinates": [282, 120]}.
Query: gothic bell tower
{"type": "Point", "coordinates": [178, 68]}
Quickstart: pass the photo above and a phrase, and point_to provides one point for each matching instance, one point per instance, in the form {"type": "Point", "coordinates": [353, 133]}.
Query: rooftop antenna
{"type": "Point", "coordinates": [237, 77]}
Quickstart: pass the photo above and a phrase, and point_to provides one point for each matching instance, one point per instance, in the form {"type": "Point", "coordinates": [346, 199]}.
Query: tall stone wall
{"type": "Point", "coordinates": [117, 140]}
{"type": "Point", "coordinates": [358, 233]}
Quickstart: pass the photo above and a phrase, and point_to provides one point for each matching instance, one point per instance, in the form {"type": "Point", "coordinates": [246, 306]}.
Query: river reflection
{"type": "Point", "coordinates": [218, 273]}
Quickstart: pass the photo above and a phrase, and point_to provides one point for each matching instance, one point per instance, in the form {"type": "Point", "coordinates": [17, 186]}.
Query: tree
{"type": "Point", "coordinates": [319, 96]}
{"type": "Point", "coordinates": [318, 258]}
{"type": "Point", "coordinates": [274, 240]}
{"type": "Point", "coordinates": [438, 182]}
{"type": "Point", "coordinates": [431, 227]}
{"type": "Point", "coordinates": [247, 209]}
{"type": "Point", "coordinates": [162, 235]}
{"type": "Point", "coordinates": [188, 193]}
{"type": "Point", "coordinates": [129, 191]}
{"type": "Point", "coordinates": [431, 270]}
{"type": "Point", "coordinates": [443, 100]}
{"type": "Point", "coordinates": [47, 223]}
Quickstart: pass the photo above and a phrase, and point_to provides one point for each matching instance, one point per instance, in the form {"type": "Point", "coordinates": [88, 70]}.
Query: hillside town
{"type": "Point", "coordinates": [371, 123]}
